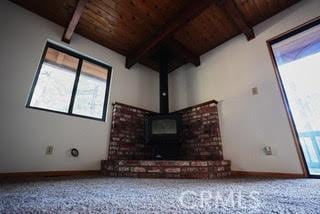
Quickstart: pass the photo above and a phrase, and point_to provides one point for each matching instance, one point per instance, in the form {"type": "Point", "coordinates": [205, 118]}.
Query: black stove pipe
{"type": "Point", "coordinates": [164, 96]}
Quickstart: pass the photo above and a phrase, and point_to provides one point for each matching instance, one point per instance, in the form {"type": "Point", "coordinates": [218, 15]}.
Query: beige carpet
{"type": "Point", "coordinates": [124, 195]}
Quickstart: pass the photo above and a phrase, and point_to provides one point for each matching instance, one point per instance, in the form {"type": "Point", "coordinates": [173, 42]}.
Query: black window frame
{"type": "Point", "coordinates": [81, 58]}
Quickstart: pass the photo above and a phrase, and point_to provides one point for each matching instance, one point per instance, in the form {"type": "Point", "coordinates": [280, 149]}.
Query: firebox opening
{"type": "Point", "coordinates": [162, 133]}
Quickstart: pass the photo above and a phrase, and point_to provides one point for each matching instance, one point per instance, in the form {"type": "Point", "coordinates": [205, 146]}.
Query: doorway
{"type": "Point", "coordinates": [296, 56]}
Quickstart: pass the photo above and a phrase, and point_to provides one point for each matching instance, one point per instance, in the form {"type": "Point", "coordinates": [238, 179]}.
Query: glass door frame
{"type": "Point", "coordinates": [270, 42]}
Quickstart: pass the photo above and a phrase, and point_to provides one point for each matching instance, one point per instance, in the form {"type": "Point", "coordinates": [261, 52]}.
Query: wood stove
{"type": "Point", "coordinates": [163, 132]}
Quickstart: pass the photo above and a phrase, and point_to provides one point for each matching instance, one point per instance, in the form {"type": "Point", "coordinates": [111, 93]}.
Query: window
{"type": "Point", "coordinates": [69, 83]}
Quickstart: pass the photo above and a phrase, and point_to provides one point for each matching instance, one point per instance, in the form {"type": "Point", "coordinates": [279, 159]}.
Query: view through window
{"type": "Point", "coordinates": [298, 62]}
{"type": "Point", "coordinates": [69, 83]}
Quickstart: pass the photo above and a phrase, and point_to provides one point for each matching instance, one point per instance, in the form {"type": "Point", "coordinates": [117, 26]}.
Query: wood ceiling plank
{"type": "Point", "coordinates": [123, 16]}
{"type": "Point", "coordinates": [202, 25]}
{"type": "Point", "coordinates": [223, 22]}
{"type": "Point", "coordinates": [104, 18]}
{"type": "Point", "coordinates": [106, 25]}
{"type": "Point", "coordinates": [237, 17]}
{"type": "Point", "coordinates": [133, 15]}
{"type": "Point", "coordinates": [55, 10]}
{"type": "Point", "coordinates": [207, 30]}
{"type": "Point", "coordinates": [114, 45]}
{"type": "Point", "coordinates": [165, 8]}
{"type": "Point", "coordinates": [123, 20]}
{"type": "Point", "coordinates": [185, 38]}
{"type": "Point", "coordinates": [103, 39]}
{"type": "Point", "coordinates": [153, 16]}
{"type": "Point", "coordinates": [143, 9]}
{"type": "Point", "coordinates": [194, 43]}
{"type": "Point", "coordinates": [125, 29]}
{"type": "Point", "coordinates": [199, 32]}
{"type": "Point", "coordinates": [194, 9]}
{"type": "Point", "coordinates": [261, 8]}
{"type": "Point", "coordinates": [180, 50]}
{"type": "Point", "coordinates": [123, 26]}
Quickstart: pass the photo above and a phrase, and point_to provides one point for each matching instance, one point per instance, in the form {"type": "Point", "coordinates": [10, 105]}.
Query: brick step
{"type": "Point", "coordinates": [166, 169]}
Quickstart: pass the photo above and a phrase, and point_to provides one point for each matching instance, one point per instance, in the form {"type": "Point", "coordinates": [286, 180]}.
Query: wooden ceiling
{"type": "Point", "coordinates": [138, 29]}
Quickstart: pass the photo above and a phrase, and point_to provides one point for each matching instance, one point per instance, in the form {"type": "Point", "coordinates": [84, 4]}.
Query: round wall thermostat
{"type": "Point", "coordinates": [74, 152]}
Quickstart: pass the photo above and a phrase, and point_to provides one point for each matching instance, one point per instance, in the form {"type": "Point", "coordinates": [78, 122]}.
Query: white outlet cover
{"type": "Point", "coordinates": [274, 150]}
{"type": "Point", "coordinates": [49, 150]}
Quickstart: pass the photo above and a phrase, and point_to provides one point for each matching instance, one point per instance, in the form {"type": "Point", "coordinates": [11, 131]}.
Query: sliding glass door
{"type": "Point", "coordinates": [297, 58]}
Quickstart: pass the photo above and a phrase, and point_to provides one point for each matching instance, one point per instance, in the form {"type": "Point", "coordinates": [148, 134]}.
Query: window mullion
{"type": "Point", "coordinates": [75, 86]}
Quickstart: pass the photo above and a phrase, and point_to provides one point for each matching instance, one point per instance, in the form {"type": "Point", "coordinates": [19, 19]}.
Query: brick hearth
{"type": "Point", "coordinates": [166, 169]}
{"type": "Point", "coordinates": [201, 149]}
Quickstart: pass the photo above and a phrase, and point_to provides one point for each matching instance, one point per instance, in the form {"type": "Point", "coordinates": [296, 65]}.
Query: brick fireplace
{"type": "Point", "coordinates": [200, 154]}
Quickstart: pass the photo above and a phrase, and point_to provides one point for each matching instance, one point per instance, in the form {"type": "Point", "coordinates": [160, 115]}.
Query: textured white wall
{"type": "Point", "coordinates": [248, 122]}
{"type": "Point", "coordinates": [25, 133]}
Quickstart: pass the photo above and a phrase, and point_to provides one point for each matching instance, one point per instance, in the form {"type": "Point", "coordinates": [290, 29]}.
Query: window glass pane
{"type": "Point", "coordinates": [298, 61]}
{"type": "Point", "coordinates": [89, 100]}
{"type": "Point", "coordinates": [53, 90]}
{"type": "Point", "coordinates": [297, 47]}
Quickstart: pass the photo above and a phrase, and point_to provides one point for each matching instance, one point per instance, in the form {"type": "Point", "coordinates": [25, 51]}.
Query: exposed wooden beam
{"type": "Point", "coordinates": [194, 9]}
{"type": "Point", "coordinates": [234, 13]}
{"type": "Point", "coordinates": [175, 65]}
{"type": "Point", "coordinates": [180, 50]}
{"type": "Point", "coordinates": [74, 21]}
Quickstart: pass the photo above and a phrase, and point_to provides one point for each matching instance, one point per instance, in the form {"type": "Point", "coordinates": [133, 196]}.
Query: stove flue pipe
{"type": "Point", "coordinates": [164, 95]}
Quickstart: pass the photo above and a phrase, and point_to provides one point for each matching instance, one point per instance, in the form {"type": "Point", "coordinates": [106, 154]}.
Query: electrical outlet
{"type": "Point", "coordinates": [49, 150]}
{"type": "Point", "coordinates": [267, 150]}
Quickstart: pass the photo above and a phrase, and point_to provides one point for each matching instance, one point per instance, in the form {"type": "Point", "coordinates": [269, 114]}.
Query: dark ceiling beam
{"type": "Point", "coordinates": [194, 9]}
{"type": "Point", "coordinates": [175, 65]}
{"type": "Point", "coordinates": [234, 13]}
{"type": "Point", "coordinates": [74, 21]}
{"type": "Point", "coordinates": [181, 51]}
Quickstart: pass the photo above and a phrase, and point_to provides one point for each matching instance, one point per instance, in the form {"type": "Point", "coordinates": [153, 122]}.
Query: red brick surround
{"type": "Point", "coordinates": [201, 133]}
{"type": "Point", "coordinates": [201, 150]}
{"type": "Point", "coordinates": [127, 133]}
{"type": "Point", "coordinates": [166, 169]}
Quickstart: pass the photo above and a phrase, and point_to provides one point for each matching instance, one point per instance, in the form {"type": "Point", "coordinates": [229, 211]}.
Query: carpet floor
{"type": "Point", "coordinates": [125, 195]}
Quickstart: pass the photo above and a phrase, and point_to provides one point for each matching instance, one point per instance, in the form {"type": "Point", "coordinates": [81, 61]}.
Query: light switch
{"type": "Point", "coordinates": [254, 91]}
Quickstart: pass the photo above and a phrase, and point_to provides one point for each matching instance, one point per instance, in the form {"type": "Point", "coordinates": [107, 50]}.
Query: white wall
{"type": "Point", "coordinates": [248, 122]}
{"type": "Point", "coordinates": [25, 133]}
